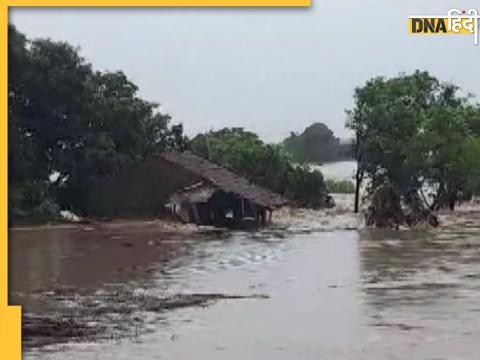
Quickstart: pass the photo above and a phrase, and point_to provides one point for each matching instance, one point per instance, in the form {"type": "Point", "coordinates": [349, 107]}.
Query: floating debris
{"type": "Point", "coordinates": [106, 314]}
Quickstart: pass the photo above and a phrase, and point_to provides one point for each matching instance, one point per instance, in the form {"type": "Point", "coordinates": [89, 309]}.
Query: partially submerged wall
{"type": "Point", "coordinates": [140, 190]}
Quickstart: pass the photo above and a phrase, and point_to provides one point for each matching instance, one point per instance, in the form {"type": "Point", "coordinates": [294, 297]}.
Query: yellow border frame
{"type": "Point", "coordinates": [10, 316]}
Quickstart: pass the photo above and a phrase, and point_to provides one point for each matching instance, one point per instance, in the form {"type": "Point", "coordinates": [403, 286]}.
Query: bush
{"type": "Point", "coordinates": [32, 203]}
{"type": "Point", "coordinates": [307, 189]}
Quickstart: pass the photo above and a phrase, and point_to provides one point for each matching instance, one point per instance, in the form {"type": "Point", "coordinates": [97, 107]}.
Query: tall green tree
{"type": "Point", "coordinates": [67, 120]}
{"type": "Point", "coordinates": [445, 153]}
{"type": "Point", "coordinates": [414, 132]}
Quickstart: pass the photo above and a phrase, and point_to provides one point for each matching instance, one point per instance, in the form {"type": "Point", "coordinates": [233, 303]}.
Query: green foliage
{"type": "Point", "coordinates": [469, 162]}
{"type": "Point", "coordinates": [340, 186]}
{"type": "Point", "coordinates": [307, 188]}
{"type": "Point", "coordinates": [316, 144]}
{"type": "Point", "coordinates": [32, 202]}
{"type": "Point", "coordinates": [265, 164]}
{"type": "Point", "coordinates": [416, 132]}
{"type": "Point", "coordinates": [68, 119]}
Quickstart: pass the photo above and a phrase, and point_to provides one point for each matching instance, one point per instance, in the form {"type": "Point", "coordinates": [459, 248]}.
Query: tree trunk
{"type": "Point", "coordinates": [358, 182]}
{"type": "Point", "coordinates": [358, 175]}
{"type": "Point", "coordinates": [437, 202]}
{"type": "Point", "coordinates": [451, 202]}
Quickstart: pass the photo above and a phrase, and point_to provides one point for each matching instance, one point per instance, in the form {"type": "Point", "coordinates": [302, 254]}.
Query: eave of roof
{"type": "Point", "coordinates": [225, 179]}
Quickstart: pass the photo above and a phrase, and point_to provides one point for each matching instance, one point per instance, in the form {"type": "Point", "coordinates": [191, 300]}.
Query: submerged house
{"type": "Point", "coordinates": [192, 188]}
{"type": "Point", "coordinates": [221, 197]}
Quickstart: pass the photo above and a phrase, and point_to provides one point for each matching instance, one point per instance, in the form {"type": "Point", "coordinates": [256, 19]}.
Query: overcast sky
{"type": "Point", "coordinates": [271, 71]}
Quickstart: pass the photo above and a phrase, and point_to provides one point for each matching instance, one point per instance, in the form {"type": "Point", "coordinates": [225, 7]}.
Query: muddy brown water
{"type": "Point", "coordinates": [329, 294]}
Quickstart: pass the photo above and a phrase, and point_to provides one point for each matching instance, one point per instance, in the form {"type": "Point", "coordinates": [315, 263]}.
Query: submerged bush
{"type": "Point", "coordinates": [307, 189]}
{"type": "Point", "coordinates": [32, 202]}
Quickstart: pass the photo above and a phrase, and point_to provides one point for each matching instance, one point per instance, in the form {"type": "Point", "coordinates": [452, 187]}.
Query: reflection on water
{"type": "Point", "coordinates": [86, 258]}
{"type": "Point", "coordinates": [333, 294]}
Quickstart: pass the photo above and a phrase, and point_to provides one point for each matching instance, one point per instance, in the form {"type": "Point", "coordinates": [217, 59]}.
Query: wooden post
{"type": "Point", "coordinates": [263, 216]}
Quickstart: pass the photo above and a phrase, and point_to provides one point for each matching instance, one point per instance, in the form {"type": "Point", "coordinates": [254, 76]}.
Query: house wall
{"type": "Point", "coordinates": [140, 190]}
{"type": "Point", "coordinates": [212, 210]}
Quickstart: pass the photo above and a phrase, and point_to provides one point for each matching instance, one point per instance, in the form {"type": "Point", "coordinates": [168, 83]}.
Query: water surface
{"type": "Point", "coordinates": [328, 291]}
{"type": "Point", "coordinates": [332, 294]}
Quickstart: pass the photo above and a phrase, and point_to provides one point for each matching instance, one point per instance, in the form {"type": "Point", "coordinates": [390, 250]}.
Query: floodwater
{"type": "Point", "coordinates": [322, 289]}
{"type": "Point", "coordinates": [339, 170]}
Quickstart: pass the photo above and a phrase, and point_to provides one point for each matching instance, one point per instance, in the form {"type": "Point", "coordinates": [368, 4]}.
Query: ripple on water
{"type": "Point", "coordinates": [334, 294]}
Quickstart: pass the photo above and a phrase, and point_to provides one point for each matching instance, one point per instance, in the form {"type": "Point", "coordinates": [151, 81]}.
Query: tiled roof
{"type": "Point", "coordinates": [224, 179]}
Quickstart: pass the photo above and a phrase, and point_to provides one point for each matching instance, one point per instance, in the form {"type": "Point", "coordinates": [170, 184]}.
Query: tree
{"type": "Point", "coordinates": [316, 144]}
{"type": "Point", "coordinates": [267, 165]}
{"type": "Point", "coordinates": [442, 154]}
{"type": "Point", "coordinates": [414, 131]}
{"type": "Point", "coordinates": [67, 120]}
